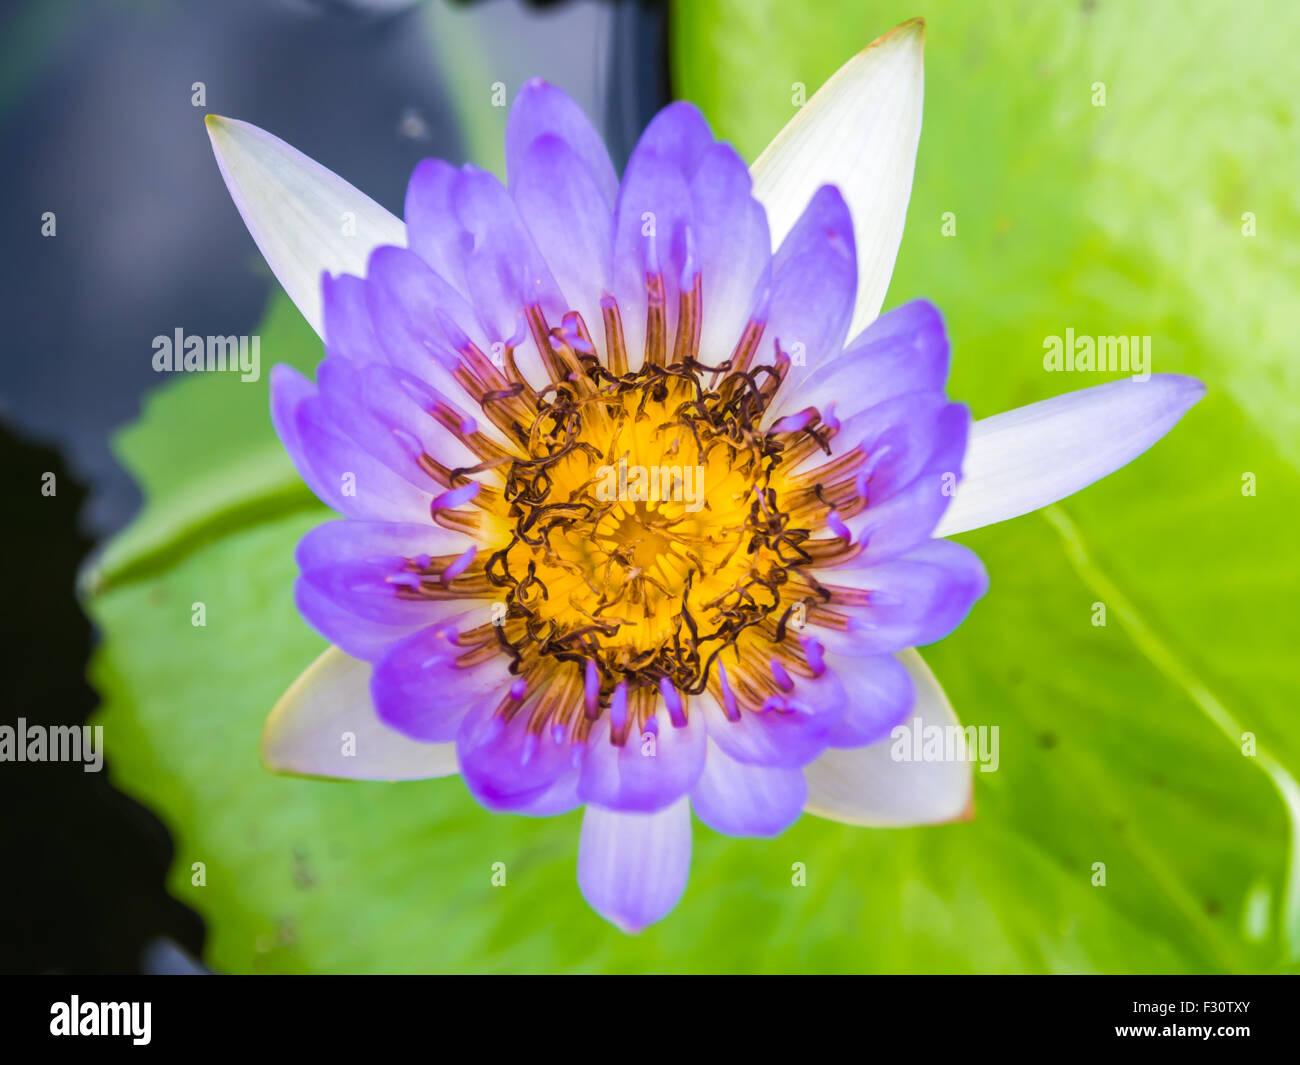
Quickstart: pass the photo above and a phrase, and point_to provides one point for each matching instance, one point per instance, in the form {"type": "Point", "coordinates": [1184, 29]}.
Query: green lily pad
{"type": "Point", "coordinates": [1120, 744]}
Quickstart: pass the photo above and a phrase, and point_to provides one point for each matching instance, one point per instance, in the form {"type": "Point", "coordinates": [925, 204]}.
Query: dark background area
{"type": "Point", "coordinates": [97, 125]}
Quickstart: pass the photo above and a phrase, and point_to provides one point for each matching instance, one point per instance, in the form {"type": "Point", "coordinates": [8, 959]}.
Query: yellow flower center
{"type": "Point", "coordinates": [643, 536]}
{"type": "Point", "coordinates": [647, 530]}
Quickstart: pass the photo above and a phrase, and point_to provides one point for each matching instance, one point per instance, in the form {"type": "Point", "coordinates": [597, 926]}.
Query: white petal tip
{"type": "Point", "coordinates": [226, 133]}
{"type": "Point", "coordinates": [859, 132]}
{"type": "Point", "coordinates": [1030, 457]}
{"type": "Point", "coordinates": [1192, 389]}
{"type": "Point", "coordinates": [304, 218]}
{"type": "Point", "coordinates": [324, 726]}
{"type": "Point", "coordinates": [911, 30]}
{"type": "Point", "coordinates": [968, 814]}
{"type": "Point", "coordinates": [871, 787]}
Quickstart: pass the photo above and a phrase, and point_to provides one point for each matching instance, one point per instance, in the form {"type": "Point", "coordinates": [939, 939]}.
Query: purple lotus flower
{"type": "Point", "coordinates": [644, 507]}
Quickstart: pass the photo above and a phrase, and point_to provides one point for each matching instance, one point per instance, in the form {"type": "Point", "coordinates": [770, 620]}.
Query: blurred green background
{"type": "Point", "coordinates": [1120, 744]}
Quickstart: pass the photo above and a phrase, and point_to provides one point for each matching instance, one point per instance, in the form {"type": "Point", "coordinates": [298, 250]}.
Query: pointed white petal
{"type": "Point", "coordinates": [1029, 457]}
{"type": "Point", "coordinates": [304, 218]}
{"type": "Point", "coordinates": [306, 732]}
{"type": "Point", "coordinates": [866, 786]}
{"type": "Point", "coordinates": [859, 132]}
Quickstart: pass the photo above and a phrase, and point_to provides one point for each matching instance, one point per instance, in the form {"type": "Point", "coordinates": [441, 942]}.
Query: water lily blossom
{"type": "Point", "coordinates": [644, 502]}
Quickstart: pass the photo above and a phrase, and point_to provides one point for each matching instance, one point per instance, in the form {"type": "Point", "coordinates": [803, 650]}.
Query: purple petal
{"type": "Point", "coordinates": [366, 488]}
{"type": "Point", "coordinates": [1032, 456]}
{"type": "Point", "coordinates": [734, 248]}
{"type": "Point", "coordinates": [432, 229]}
{"type": "Point", "coordinates": [348, 330]}
{"type": "Point", "coordinates": [632, 868]}
{"type": "Point", "coordinates": [905, 350]}
{"type": "Point", "coordinates": [508, 767]}
{"type": "Point", "coordinates": [506, 273]}
{"type": "Point", "coordinates": [339, 382]}
{"type": "Point", "coordinates": [559, 798]}
{"type": "Point", "coordinates": [419, 319]}
{"type": "Point", "coordinates": [651, 770]}
{"type": "Point", "coordinates": [571, 223]}
{"type": "Point", "coordinates": [541, 109]}
{"type": "Point", "coordinates": [747, 800]}
{"type": "Point", "coordinates": [814, 278]}
{"type": "Point", "coordinates": [916, 598]}
{"type": "Point", "coordinates": [346, 591]}
{"type": "Point", "coordinates": [289, 390]}
{"type": "Point", "coordinates": [880, 696]}
{"type": "Point", "coordinates": [902, 518]}
{"type": "Point", "coordinates": [388, 543]}
{"type": "Point", "coordinates": [780, 738]}
{"type": "Point", "coordinates": [898, 436]}
{"type": "Point", "coordinates": [359, 637]}
{"type": "Point", "coordinates": [418, 689]}
{"type": "Point", "coordinates": [403, 403]}
{"type": "Point", "coordinates": [680, 135]}
{"type": "Point", "coordinates": [651, 225]}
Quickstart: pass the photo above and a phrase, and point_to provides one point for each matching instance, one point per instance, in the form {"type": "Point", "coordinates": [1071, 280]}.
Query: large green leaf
{"type": "Point", "coordinates": [1118, 744]}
